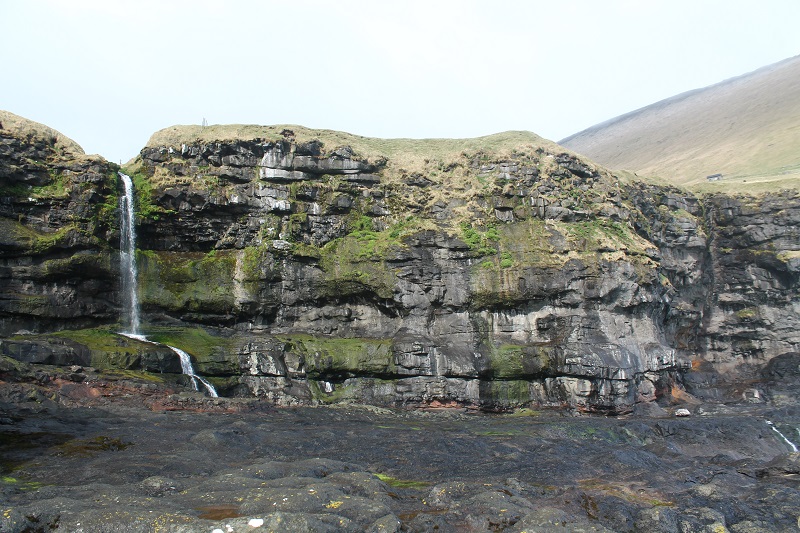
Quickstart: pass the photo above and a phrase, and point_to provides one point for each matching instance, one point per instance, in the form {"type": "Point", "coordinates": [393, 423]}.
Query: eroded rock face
{"type": "Point", "coordinates": [461, 278]}
{"type": "Point", "coordinates": [57, 215]}
{"type": "Point", "coordinates": [754, 313]}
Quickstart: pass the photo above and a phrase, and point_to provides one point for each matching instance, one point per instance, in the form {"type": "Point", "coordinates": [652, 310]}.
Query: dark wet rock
{"type": "Point", "coordinates": [549, 519]}
{"type": "Point", "coordinates": [109, 464]}
{"type": "Point", "coordinates": [785, 366]}
{"type": "Point", "coordinates": [159, 486]}
{"type": "Point", "coordinates": [649, 410]}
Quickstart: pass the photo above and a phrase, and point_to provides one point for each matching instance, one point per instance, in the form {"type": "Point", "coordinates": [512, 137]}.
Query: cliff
{"type": "Point", "coordinates": [57, 213]}
{"type": "Point", "coordinates": [314, 267]}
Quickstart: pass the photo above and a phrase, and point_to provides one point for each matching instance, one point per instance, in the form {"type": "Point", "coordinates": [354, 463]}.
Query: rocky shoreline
{"type": "Point", "coordinates": [87, 452]}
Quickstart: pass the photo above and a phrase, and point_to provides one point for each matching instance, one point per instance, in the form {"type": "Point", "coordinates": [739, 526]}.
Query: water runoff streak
{"type": "Point", "coordinates": [787, 441]}
{"type": "Point", "coordinates": [130, 288]}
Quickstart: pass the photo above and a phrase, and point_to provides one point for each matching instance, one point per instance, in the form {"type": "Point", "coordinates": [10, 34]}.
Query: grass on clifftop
{"type": "Point", "coordinates": [23, 128]}
{"type": "Point", "coordinates": [407, 154]}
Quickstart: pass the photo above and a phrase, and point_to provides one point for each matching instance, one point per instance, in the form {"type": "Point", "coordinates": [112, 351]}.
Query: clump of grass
{"type": "Point", "coordinates": [481, 241]}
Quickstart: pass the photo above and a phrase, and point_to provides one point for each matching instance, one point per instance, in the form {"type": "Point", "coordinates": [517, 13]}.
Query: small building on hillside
{"type": "Point", "coordinates": [714, 177]}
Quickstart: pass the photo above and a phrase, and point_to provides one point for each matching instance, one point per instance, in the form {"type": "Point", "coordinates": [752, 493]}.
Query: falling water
{"type": "Point", "coordinates": [186, 367]}
{"type": "Point", "coordinates": [776, 430]}
{"type": "Point", "coordinates": [127, 249]}
{"type": "Point", "coordinates": [130, 289]}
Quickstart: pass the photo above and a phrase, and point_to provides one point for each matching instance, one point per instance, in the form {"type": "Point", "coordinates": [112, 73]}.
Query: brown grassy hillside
{"type": "Point", "coordinates": [747, 128]}
{"type": "Point", "coordinates": [27, 129]}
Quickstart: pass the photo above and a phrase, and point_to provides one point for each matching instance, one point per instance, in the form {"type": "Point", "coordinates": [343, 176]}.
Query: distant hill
{"type": "Point", "coordinates": [746, 128]}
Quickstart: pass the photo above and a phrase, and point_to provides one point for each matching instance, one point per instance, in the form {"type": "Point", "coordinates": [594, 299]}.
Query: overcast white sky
{"type": "Point", "coordinates": [109, 73]}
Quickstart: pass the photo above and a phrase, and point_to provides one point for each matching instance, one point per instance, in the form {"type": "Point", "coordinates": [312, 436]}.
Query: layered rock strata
{"type": "Point", "coordinates": [310, 266]}
{"type": "Point", "coordinates": [57, 213]}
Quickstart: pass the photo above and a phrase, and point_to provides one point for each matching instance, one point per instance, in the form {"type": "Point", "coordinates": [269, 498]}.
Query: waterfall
{"type": "Point", "coordinates": [776, 430]}
{"type": "Point", "coordinates": [186, 367]}
{"type": "Point", "coordinates": [130, 297]}
{"type": "Point", "coordinates": [127, 252]}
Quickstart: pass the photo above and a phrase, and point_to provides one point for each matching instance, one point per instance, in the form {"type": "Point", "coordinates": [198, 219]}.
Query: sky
{"type": "Point", "coordinates": [109, 73]}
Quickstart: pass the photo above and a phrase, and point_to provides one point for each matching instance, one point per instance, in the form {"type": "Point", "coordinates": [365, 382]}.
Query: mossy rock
{"type": "Point", "coordinates": [95, 265]}
{"type": "Point", "coordinates": [505, 394]}
{"type": "Point", "coordinates": [18, 237]}
{"type": "Point", "coordinates": [341, 393]}
{"type": "Point", "coordinates": [511, 361]}
{"type": "Point", "coordinates": [326, 357]}
{"type": "Point", "coordinates": [356, 265]}
{"type": "Point", "coordinates": [109, 350]}
{"type": "Point", "coordinates": [188, 281]}
{"type": "Point", "coordinates": [210, 354]}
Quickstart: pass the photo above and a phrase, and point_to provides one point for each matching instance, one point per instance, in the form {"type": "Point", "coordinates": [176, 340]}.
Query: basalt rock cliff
{"type": "Point", "coordinates": [312, 267]}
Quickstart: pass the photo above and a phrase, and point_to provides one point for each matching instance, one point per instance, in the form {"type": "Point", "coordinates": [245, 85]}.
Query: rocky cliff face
{"type": "Point", "coordinates": [307, 266]}
{"type": "Point", "coordinates": [57, 212]}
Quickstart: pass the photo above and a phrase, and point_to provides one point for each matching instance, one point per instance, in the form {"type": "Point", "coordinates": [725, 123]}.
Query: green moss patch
{"type": "Point", "coordinates": [482, 241]}
{"type": "Point", "coordinates": [79, 264]}
{"type": "Point", "coordinates": [197, 342]}
{"type": "Point", "coordinates": [748, 313]}
{"type": "Point", "coordinates": [354, 265]}
{"type": "Point", "coordinates": [18, 236]}
{"type": "Point", "coordinates": [146, 207]}
{"type": "Point", "coordinates": [20, 484]}
{"type": "Point", "coordinates": [108, 349]}
{"type": "Point", "coordinates": [601, 234]}
{"type": "Point", "coordinates": [340, 393]}
{"type": "Point", "coordinates": [506, 393]}
{"type": "Point", "coordinates": [402, 483]}
{"type": "Point", "coordinates": [511, 361]}
{"type": "Point", "coordinates": [326, 357]}
{"type": "Point", "coordinates": [188, 281]}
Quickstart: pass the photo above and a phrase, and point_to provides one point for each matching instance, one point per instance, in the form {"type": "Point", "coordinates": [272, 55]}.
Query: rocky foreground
{"type": "Point", "coordinates": [84, 451]}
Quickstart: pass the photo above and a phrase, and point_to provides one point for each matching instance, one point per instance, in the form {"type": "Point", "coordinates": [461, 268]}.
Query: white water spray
{"type": "Point", "coordinates": [186, 366]}
{"type": "Point", "coordinates": [776, 430]}
{"type": "Point", "coordinates": [127, 252]}
{"type": "Point", "coordinates": [130, 287]}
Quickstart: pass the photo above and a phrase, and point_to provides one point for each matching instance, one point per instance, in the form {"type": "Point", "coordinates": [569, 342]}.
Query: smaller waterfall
{"type": "Point", "coordinates": [776, 430]}
{"type": "Point", "coordinates": [186, 364]}
{"type": "Point", "coordinates": [186, 367]}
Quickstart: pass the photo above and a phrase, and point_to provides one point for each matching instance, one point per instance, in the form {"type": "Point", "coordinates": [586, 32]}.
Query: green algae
{"type": "Point", "coordinates": [342, 356]}
{"type": "Point", "coordinates": [91, 446]}
{"type": "Point", "coordinates": [108, 349]}
{"type": "Point", "coordinates": [513, 361]}
{"type": "Point", "coordinates": [188, 281]}
{"type": "Point", "coordinates": [506, 393]}
{"type": "Point", "coordinates": [212, 354]}
{"type": "Point", "coordinates": [402, 483]}
{"type": "Point", "coordinates": [31, 241]}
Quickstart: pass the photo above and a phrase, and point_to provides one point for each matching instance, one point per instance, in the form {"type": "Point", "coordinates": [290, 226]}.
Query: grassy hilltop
{"type": "Point", "coordinates": [746, 128]}
{"type": "Point", "coordinates": [23, 128]}
{"type": "Point", "coordinates": [403, 155]}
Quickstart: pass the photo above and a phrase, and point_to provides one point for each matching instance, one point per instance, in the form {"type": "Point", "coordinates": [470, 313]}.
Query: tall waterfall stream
{"type": "Point", "coordinates": [130, 287]}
